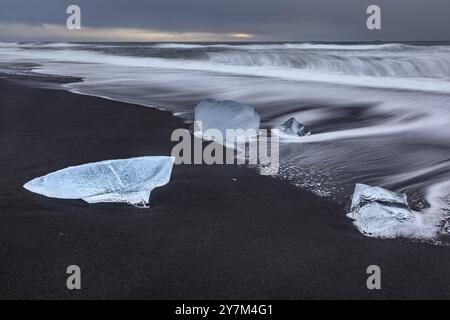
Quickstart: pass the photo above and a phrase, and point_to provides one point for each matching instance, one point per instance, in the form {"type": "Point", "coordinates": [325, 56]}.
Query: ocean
{"type": "Point", "coordinates": [379, 112]}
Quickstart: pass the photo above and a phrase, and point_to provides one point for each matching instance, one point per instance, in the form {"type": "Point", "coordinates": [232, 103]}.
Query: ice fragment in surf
{"type": "Point", "coordinates": [227, 114]}
{"type": "Point", "coordinates": [379, 212]}
{"type": "Point", "coordinates": [127, 181]}
{"type": "Point", "coordinates": [294, 128]}
{"type": "Point", "coordinates": [364, 193]}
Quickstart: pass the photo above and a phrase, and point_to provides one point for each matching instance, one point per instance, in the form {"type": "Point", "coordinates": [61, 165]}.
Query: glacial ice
{"type": "Point", "coordinates": [379, 212]}
{"type": "Point", "coordinates": [124, 181]}
{"type": "Point", "coordinates": [364, 193]}
{"type": "Point", "coordinates": [294, 128]}
{"type": "Point", "coordinates": [227, 114]}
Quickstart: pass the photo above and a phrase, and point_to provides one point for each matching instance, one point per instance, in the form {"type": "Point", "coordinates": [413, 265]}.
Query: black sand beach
{"type": "Point", "coordinates": [206, 236]}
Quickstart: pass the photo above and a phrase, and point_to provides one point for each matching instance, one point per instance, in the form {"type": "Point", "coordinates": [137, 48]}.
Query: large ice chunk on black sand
{"type": "Point", "coordinates": [227, 114]}
{"type": "Point", "coordinates": [294, 128]}
{"type": "Point", "coordinates": [379, 212]}
{"type": "Point", "coordinates": [127, 181]}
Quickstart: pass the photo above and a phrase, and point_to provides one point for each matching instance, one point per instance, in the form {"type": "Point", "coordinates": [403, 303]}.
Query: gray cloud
{"type": "Point", "coordinates": [275, 20]}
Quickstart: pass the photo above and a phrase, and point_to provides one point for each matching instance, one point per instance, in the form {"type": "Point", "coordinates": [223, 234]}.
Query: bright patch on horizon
{"type": "Point", "coordinates": [53, 32]}
{"type": "Point", "coordinates": [242, 35]}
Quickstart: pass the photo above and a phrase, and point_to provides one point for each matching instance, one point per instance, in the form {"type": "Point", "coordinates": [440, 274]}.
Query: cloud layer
{"type": "Point", "coordinates": [208, 20]}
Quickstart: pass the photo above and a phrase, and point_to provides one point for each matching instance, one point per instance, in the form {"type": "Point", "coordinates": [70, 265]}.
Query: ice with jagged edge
{"type": "Point", "coordinates": [378, 212]}
{"type": "Point", "coordinates": [226, 114]}
{"type": "Point", "coordinates": [123, 181]}
{"type": "Point", "coordinates": [294, 128]}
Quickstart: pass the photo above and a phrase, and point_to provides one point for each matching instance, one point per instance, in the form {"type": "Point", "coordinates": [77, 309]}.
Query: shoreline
{"type": "Point", "coordinates": [205, 235]}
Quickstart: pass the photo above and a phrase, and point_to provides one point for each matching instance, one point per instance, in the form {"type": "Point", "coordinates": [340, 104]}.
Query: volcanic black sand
{"type": "Point", "coordinates": [205, 236]}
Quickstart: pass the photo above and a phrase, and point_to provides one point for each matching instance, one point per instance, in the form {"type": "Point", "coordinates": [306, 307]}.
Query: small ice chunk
{"type": "Point", "coordinates": [227, 114]}
{"type": "Point", "coordinates": [294, 128]}
{"type": "Point", "coordinates": [364, 193]}
{"type": "Point", "coordinates": [379, 212]}
{"type": "Point", "coordinates": [125, 181]}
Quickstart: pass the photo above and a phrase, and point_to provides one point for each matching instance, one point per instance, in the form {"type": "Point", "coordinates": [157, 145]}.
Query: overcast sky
{"type": "Point", "coordinates": [224, 20]}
